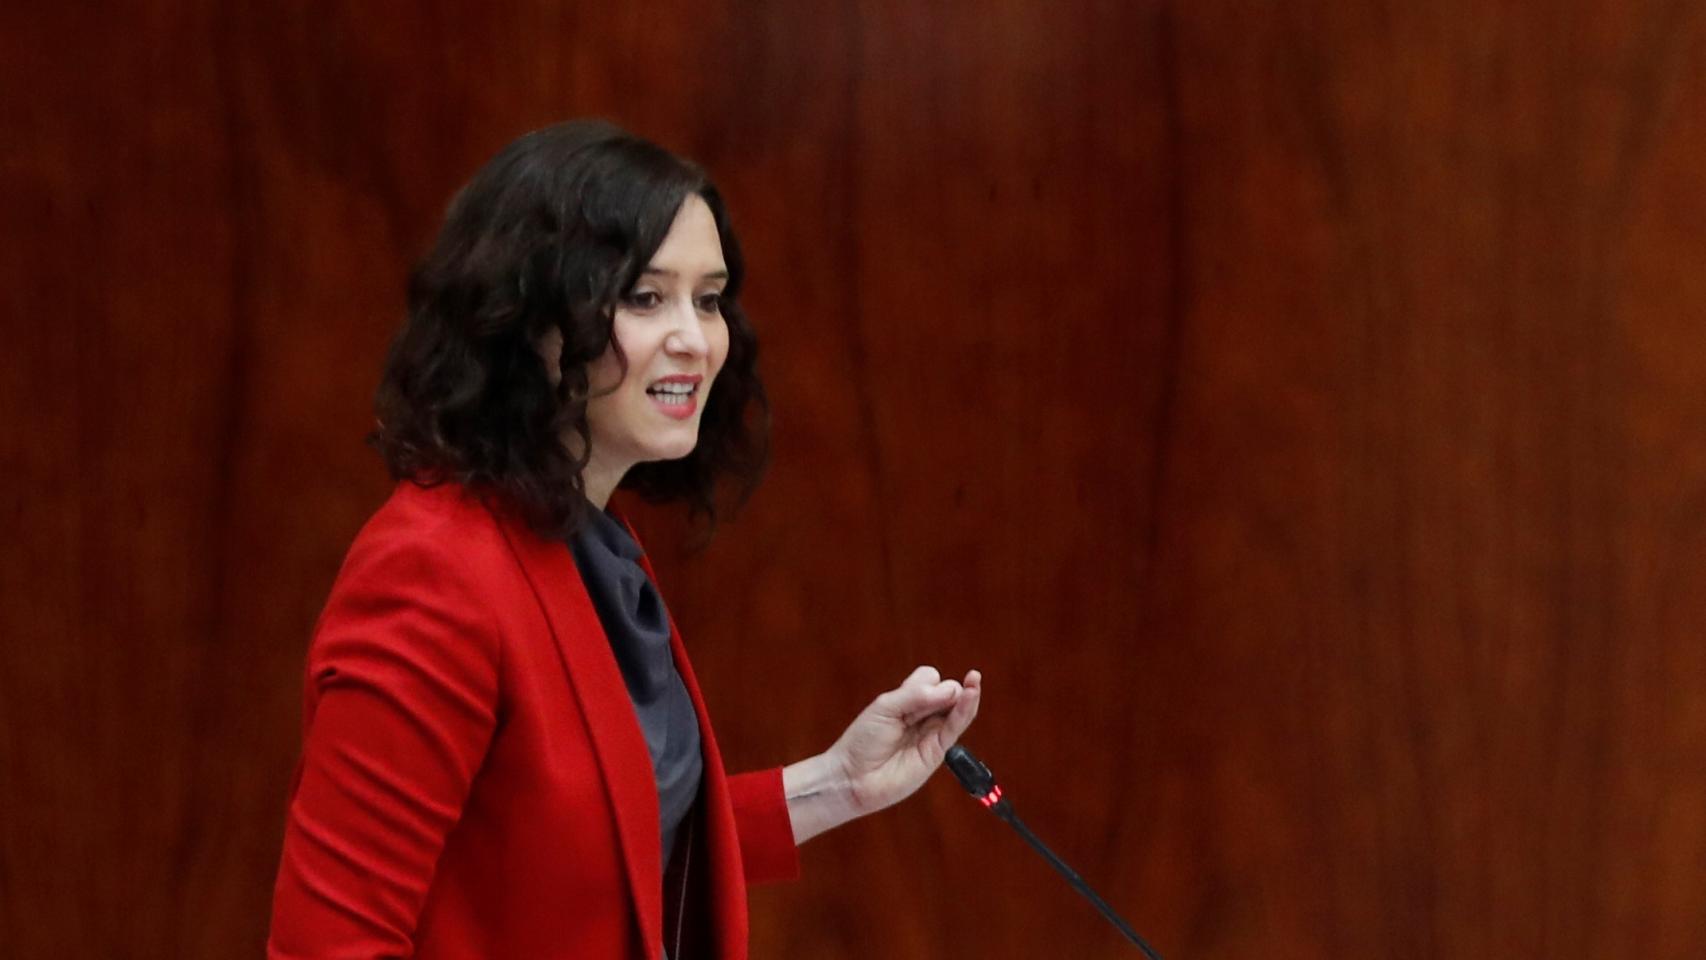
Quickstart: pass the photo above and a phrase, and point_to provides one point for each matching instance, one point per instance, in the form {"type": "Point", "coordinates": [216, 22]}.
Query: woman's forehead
{"type": "Point", "coordinates": [692, 249]}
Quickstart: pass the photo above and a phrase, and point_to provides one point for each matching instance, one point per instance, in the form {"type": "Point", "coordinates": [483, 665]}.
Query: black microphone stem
{"type": "Point", "coordinates": [1072, 877]}
{"type": "Point", "coordinates": [980, 783]}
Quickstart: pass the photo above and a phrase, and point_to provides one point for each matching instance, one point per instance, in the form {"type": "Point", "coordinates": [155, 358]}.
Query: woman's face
{"type": "Point", "coordinates": [672, 332]}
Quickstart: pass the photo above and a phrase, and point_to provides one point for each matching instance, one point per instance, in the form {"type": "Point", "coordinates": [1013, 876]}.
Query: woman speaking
{"type": "Point", "coordinates": [506, 754]}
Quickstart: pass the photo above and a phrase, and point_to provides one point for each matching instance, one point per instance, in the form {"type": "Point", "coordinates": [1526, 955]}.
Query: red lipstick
{"type": "Point", "coordinates": [676, 396]}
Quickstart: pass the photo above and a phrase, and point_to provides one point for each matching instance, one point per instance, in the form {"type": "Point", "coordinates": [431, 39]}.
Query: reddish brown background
{"type": "Point", "coordinates": [1298, 410]}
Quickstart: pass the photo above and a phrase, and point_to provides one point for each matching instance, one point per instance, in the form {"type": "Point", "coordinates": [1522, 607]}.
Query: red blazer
{"type": "Point", "coordinates": [474, 781]}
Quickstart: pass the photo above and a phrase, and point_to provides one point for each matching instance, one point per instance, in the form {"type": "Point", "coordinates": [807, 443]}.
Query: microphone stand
{"type": "Point", "coordinates": [980, 783]}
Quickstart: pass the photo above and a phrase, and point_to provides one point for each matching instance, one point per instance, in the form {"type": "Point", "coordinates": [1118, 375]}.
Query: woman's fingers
{"type": "Point", "coordinates": [897, 742]}
{"type": "Point", "coordinates": [964, 711]}
{"type": "Point", "coordinates": [920, 695]}
{"type": "Point", "coordinates": [931, 709]}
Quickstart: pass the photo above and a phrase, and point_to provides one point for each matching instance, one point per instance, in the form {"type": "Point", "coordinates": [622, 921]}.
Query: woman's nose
{"type": "Point", "coordinates": [688, 335]}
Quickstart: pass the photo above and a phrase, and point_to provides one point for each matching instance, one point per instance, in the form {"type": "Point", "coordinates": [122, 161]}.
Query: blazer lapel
{"type": "Point", "coordinates": [608, 711]}
{"type": "Point", "coordinates": [728, 889]}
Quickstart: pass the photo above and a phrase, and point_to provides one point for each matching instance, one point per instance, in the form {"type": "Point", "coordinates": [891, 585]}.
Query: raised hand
{"type": "Point", "coordinates": [885, 754]}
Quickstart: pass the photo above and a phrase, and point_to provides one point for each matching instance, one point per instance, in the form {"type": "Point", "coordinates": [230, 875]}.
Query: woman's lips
{"type": "Point", "coordinates": [676, 397]}
{"type": "Point", "coordinates": [679, 406]}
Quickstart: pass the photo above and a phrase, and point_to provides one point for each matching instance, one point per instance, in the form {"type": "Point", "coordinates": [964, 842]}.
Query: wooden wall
{"type": "Point", "coordinates": [1297, 410]}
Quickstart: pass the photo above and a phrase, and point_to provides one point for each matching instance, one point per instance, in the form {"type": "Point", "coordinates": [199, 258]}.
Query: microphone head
{"type": "Point", "coordinates": [970, 771]}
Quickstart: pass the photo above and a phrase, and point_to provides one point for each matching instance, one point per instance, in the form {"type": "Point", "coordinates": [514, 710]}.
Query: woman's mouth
{"type": "Point", "coordinates": [675, 396]}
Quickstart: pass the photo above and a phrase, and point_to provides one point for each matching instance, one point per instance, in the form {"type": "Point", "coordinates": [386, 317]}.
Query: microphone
{"type": "Point", "coordinates": [980, 783]}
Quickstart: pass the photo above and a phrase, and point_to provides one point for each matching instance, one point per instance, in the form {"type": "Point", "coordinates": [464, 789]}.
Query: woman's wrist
{"type": "Point", "coordinates": [819, 794]}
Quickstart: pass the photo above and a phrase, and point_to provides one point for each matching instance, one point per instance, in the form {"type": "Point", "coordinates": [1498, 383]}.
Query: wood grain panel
{"type": "Point", "coordinates": [1294, 409]}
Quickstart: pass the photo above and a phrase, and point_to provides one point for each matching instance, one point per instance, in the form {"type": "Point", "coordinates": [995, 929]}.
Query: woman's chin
{"type": "Point", "coordinates": [673, 451]}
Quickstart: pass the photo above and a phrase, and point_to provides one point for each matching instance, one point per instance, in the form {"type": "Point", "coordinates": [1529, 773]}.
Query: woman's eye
{"type": "Point", "coordinates": [644, 299]}
{"type": "Point", "coordinates": [711, 303]}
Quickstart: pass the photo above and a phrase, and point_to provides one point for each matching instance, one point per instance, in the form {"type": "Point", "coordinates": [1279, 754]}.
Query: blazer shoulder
{"type": "Point", "coordinates": [449, 514]}
{"type": "Point", "coordinates": [447, 525]}
{"type": "Point", "coordinates": [433, 549]}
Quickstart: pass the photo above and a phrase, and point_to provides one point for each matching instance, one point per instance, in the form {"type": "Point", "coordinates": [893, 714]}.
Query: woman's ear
{"type": "Point", "coordinates": [550, 348]}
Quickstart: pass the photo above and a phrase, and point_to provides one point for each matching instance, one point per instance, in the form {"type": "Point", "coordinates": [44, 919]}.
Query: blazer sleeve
{"type": "Point", "coordinates": [767, 848]}
{"type": "Point", "coordinates": [402, 702]}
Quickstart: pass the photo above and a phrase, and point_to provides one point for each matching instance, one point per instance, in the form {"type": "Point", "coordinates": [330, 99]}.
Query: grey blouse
{"type": "Point", "coordinates": [637, 626]}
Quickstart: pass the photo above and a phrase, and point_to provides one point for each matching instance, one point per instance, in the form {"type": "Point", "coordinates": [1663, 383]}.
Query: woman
{"type": "Point", "coordinates": [505, 751]}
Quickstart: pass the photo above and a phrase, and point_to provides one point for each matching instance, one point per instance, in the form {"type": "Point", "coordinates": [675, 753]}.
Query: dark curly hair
{"type": "Point", "coordinates": [550, 235]}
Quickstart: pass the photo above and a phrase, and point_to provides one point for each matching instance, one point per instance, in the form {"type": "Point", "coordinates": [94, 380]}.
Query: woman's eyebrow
{"type": "Point", "coordinates": [672, 274]}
